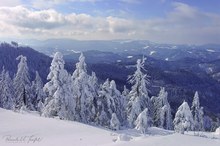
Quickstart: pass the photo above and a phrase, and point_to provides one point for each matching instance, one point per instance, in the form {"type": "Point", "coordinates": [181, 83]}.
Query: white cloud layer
{"type": "Point", "coordinates": [42, 4]}
{"type": "Point", "coordinates": [185, 24]}
{"type": "Point", "coordinates": [9, 3]}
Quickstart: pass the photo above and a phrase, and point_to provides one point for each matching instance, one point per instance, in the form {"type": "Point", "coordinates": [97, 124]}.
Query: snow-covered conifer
{"type": "Point", "coordinates": [109, 101]}
{"type": "Point", "coordinates": [125, 92]}
{"type": "Point", "coordinates": [183, 120]}
{"type": "Point", "coordinates": [2, 75]}
{"type": "Point", "coordinates": [93, 81]}
{"type": "Point", "coordinates": [94, 89]}
{"type": "Point", "coordinates": [7, 100]}
{"type": "Point", "coordinates": [118, 101]}
{"type": "Point", "coordinates": [161, 110]}
{"type": "Point", "coordinates": [114, 122]}
{"type": "Point", "coordinates": [157, 105]}
{"type": "Point", "coordinates": [142, 121]}
{"type": "Point", "coordinates": [37, 92]}
{"type": "Point", "coordinates": [102, 117]}
{"type": "Point", "coordinates": [59, 101]}
{"type": "Point", "coordinates": [84, 92]}
{"type": "Point", "coordinates": [197, 113]}
{"type": "Point", "coordinates": [138, 96]}
{"type": "Point", "coordinates": [22, 85]}
{"type": "Point", "coordinates": [201, 119]}
{"type": "Point", "coordinates": [125, 99]}
{"type": "Point", "coordinates": [102, 114]}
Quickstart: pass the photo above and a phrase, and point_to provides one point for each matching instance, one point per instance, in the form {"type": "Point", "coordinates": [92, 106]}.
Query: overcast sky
{"type": "Point", "coordinates": [166, 21]}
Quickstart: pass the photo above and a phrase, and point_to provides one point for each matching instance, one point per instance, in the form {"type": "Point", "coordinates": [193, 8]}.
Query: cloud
{"type": "Point", "coordinates": [9, 3]}
{"type": "Point", "coordinates": [45, 4]}
{"type": "Point", "coordinates": [119, 25]}
{"type": "Point", "coordinates": [22, 17]}
{"type": "Point", "coordinates": [184, 24]}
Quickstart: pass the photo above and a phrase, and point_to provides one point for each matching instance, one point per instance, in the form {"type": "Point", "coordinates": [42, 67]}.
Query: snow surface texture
{"type": "Point", "coordinates": [28, 129]}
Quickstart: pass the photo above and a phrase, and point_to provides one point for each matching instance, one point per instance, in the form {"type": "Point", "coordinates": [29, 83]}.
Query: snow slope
{"type": "Point", "coordinates": [18, 129]}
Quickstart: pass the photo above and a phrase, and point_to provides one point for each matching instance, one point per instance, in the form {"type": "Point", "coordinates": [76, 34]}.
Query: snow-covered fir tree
{"type": "Point", "coordinates": [94, 85]}
{"type": "Point", "coordinates": [197, 113]}
{"type": "Point", "coordinates": [118, 100]}
{"type": "Point", "coordinates": [84, 91]}
{"type": "Point", "coordinates": [114, 122]}
{"type": "Point", "coordinates": [142, 121]}
{"type": "Point", "coordinates": [94, 89]}
{"type": "Point", "coordinates": [22, 85]}
{"type": "Point", "coordinates": [125, 93]}
{"type": "Point", "coordinates": [125, 99]}
{"type": "Point", "coordinates": [7, 100]}
{"type": "Point", "coordinates": [201, 117]}
{"type": "Point", "coordinates": [2, 75]}
{"type": "Point", "coordinates": [161, 110]}
{"type": "Point", "coordinates": [108, 103]}
{"type": "Point", "coordinates": [60, 101]}
{"type": "Point", "coordinates": [183, 120]}
{"type": "Point", "coordinates": [138, 96]}
{"type": "Point", "coordinates": [37, 92]}
{"type": "Point", "coordinates": [102, 117]}
{"type": "Point", "coordinates": [157, 104]}
{"type": "Point", "coordinates": [103, 114]}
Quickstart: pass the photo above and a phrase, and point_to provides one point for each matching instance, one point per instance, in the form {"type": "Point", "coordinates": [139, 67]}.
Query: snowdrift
{"type": "Point", "coordinates": [20, 129]}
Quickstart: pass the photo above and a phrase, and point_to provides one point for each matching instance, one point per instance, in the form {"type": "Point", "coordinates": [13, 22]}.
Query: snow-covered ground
{"type": "Point", "coordinates": [18, 129]}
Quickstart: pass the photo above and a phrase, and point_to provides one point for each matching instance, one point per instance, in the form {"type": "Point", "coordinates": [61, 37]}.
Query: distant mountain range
{"type": "Point", "coordinates": [168, 52]}
{"type": "Point", "coordinates": [181, 69]}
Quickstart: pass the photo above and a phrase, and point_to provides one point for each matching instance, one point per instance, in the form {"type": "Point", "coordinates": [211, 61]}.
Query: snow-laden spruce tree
{"type": "Point", "coordinates": [161, 110]}
{"type": "Point", "coordinates": [7, 100]}
{"type": "Point", "coordinates": [138, 96]}
{"type": "Point", "coordinates": [22, 85]}
{"type": "Point", "coordinates": [183, 120]}
{"type": "Point", "coordinates": [197, 113]}
{"type": "Point", "coordinates": [142, 121]}
{"type": "Point", "coordinates": [84, 91]}
{"type": "Point", "coordinates": [94, 85]}
{"type": "Point", "coordinates": [125, 99]}
{"type": "Point", "coordinates": [201, 117]}
{"type": "Point", "coordinates": [108, 102]}
{"type": "Point", "coordinates": [37, 92]}
{"type": "Point", "coordinates": [125, 92]}
{"type": "Point", "coordinates": [118, 101]}
{"type": "Point", "coordinates": [2, 75]}
{"type": "Point", "coordinates": [104, 100]}
{"type": "Point", "coordinates": [59, 102]}
{"type": "Point", "coordinates": [114, 122]}
{"type": "Point", "coordinates": [156, 110]}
